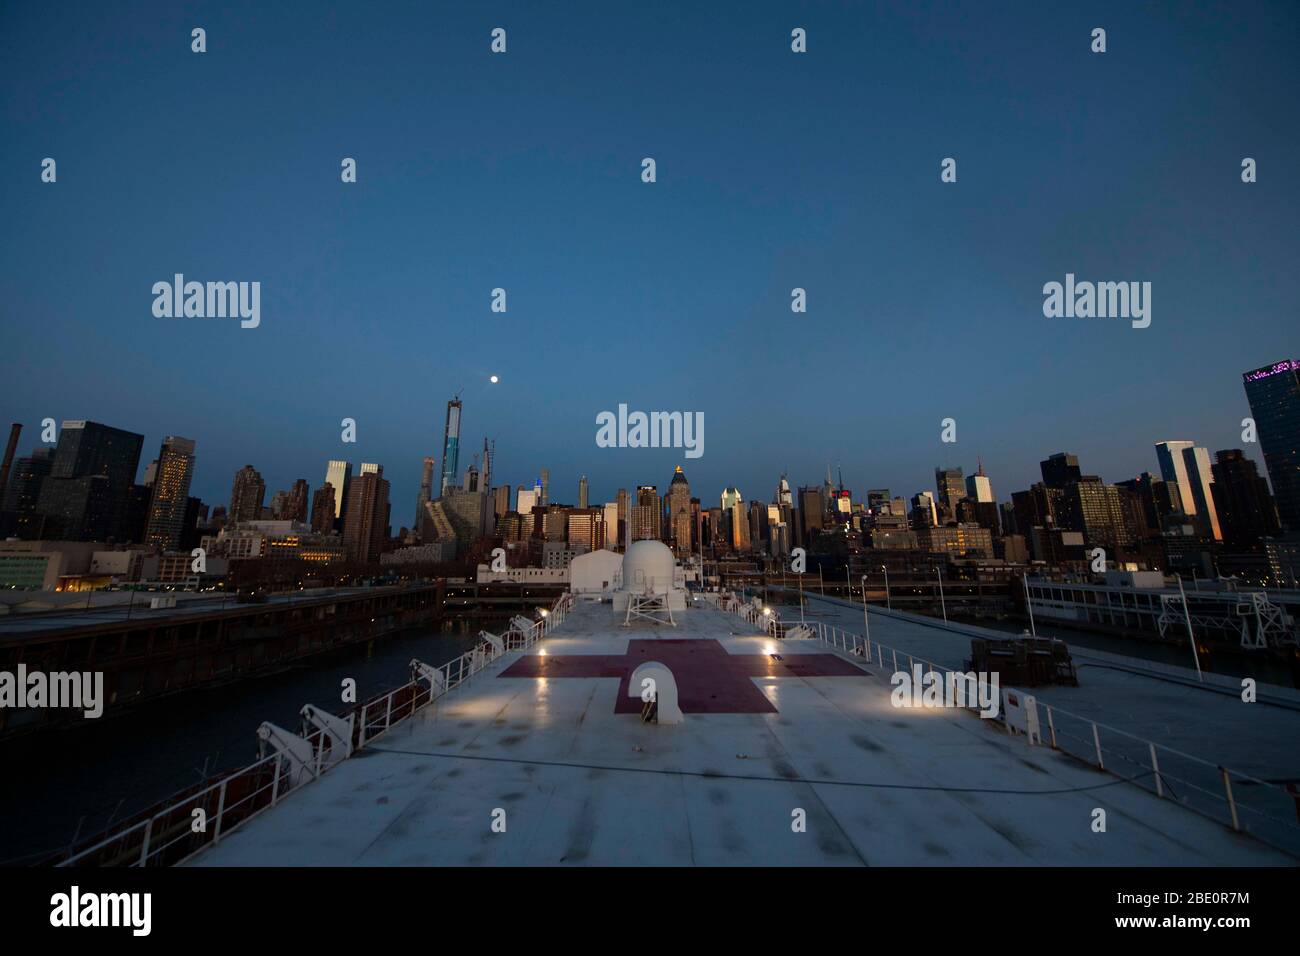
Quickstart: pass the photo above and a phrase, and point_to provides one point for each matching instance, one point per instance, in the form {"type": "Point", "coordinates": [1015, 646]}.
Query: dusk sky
{"type": "Point", "coordinates": [523, 171]}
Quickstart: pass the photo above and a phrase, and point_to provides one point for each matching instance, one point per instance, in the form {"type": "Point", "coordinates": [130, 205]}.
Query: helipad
{"type": "Point", "coordinates": [798, 759]}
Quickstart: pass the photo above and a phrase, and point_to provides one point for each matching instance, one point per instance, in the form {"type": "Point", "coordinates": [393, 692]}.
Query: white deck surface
{"type": "Point", "coordinates": [580, 784]}
{"type": "Point", "coordinates": [1259, 739]}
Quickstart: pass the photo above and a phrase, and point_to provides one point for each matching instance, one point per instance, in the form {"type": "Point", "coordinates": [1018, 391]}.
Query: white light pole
{"type": "Point", "coordinates": [1187, 616]}
{"type": "Point", "coordinates": [866, 624]}
{"type": "Point", "coordinates": [889, 605]}
{"type": "Point", "coordinates": [1029, 603]}
{"type": "Point", "coordinates": [939, 571]}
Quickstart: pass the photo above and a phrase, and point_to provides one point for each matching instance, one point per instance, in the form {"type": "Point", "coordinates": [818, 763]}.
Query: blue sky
{"type": "Point", "coordinates": [522, 171]}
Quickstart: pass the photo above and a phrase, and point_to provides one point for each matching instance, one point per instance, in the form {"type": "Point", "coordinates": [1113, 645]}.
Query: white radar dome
{"type": "Point", "coordinates": [648, 564]}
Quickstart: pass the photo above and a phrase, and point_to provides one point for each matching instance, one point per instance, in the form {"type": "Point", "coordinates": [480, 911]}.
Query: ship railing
{"type": "Point", "coordinates": [202, 817]}
{"type": "Point", "coordinates": [1244, 802]}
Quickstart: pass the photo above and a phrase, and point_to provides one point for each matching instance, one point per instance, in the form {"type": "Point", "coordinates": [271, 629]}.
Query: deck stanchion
{"type": "Point", "coordinates": [221, 810]}
{"type": "Point", "coordinates": [1096, 739]}
{"type": "Point", "coordinates": [144, 846]}
{"type": "Point", "coordinates": [1232, 804]}
{"type": "Point", "coordinates": [1051, 727]}
{"type": "Point", "coordinates": [1155, 768]}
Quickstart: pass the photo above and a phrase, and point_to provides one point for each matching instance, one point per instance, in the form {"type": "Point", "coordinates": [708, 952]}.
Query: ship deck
{"type": "Point", "coordinates": [548, 742]}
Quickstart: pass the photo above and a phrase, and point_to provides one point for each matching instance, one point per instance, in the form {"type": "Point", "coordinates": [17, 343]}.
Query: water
{"type": "Point", "coordinates": [58, 784]}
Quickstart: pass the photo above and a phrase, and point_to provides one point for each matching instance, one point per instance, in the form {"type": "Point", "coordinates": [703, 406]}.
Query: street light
{"type": "Point", "coordinates": [943, 604]}
{"type": "Point", "coordinates": [1029, 603]}
{"type": "Point", "coordinates": [1187, 615]}
{"type": "Point", "coordinates": [866, 624]}
{"type": "Point", "coordinates": [889, 605]}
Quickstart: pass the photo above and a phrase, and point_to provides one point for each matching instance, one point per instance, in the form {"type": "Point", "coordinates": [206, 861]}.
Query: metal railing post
{"type": "Point", "coordinates": [1155, 767]}
{"type": "Point", "coordinates": [275, 781]}
{"type": "Point", "coordinates": [144, 847]}
{"type": "Point", "coordinates": [1232, 804]}
{"type": "Point", "coordinates": [361, 741]}
{"type": "Point", "coordinates": [1051, 727]}
{"type": "Point", "coordinates": [1096, 739]}
{"type": "Point", "coordinates": [221, 810]}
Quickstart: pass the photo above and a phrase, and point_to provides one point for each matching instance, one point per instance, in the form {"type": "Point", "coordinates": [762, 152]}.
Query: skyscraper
{"type": "Point", "coordinates": [86, 494]}
{"type": "Point", "coordinates": [1245, 507]}
{"type": "Point", "coordinates": [784, 496]}
{"type": "Point", "coordinates": [450, 446]}
{"type": "Point", "coordinates": [623, 526]}
{"type": "Point", "coordinates": [1097, 509]}
{"type": "Point", "coordinates": [322, 509]}
{"type": "Point", "coordinates": [426, 490]}
{"type": "Point", "coordinates": [296, 508]}
{"type": "Point", "coordinates": [951, 488]}
{"type": "Point", "coordinates": [366, 525]}
{"type": "Point", "coordinates": [812, 510]}
{"type": "Point", "coordinates": [1169, 455]}
{"type": "Point", "coordinates": [1060, 470]}
{"type": "Point", "coordinates": [545, 481]}
{"type": "Point", "coordinates": [25, 480]}
{"type": "Point", "coordinates": [1274, 396]}
{"type": "Point", "coordinates": [612, 539]}
{"type": "Point", "coordinates": [679, 512]}
{"type": "Point", "coordinates": [1201, 476]}
{"type": "Point", "coordinates": [339, 475]}
{"type": "Point", "coordinates": [246, 494]}
{"type": "Point", "coordinates": [10, 449]}
{"type": "Point", "coordinates": [171, 489]}
{"type": "Point", "coordinates": [1189, 468]}
{"type": "Point", "coordinates": [582, 491]}
{"type": "Point", "coordinates": [647, 515]}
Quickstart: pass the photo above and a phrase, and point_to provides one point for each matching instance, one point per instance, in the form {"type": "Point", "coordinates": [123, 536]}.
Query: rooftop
{"type": "Point", "coordinates": [547, 741]}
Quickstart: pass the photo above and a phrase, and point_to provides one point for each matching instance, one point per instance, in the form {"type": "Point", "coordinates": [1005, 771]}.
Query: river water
{"type": "Point", "coordinates": [56, 785]}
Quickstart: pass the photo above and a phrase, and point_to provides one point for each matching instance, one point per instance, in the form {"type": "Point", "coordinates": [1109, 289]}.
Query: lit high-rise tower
{"type": "Point", "coordinates": [1274, 396]}
{"type": "Point", "coordinates": [171, 490]}
{"type": "Point", "coordinates": [679, 512]}
{"type": "Point", "coordinates": [451, 446]}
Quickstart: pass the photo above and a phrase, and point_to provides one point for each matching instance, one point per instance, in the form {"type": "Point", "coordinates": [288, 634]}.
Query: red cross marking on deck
{"type": "Point", "coordinates": [709, 680]}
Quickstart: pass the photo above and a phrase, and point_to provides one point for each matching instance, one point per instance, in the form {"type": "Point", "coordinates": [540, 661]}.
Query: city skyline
{"type": "Point", "coordinates": [1002, 489]}
{"type": "Point", "coordinates": [924, 298]}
